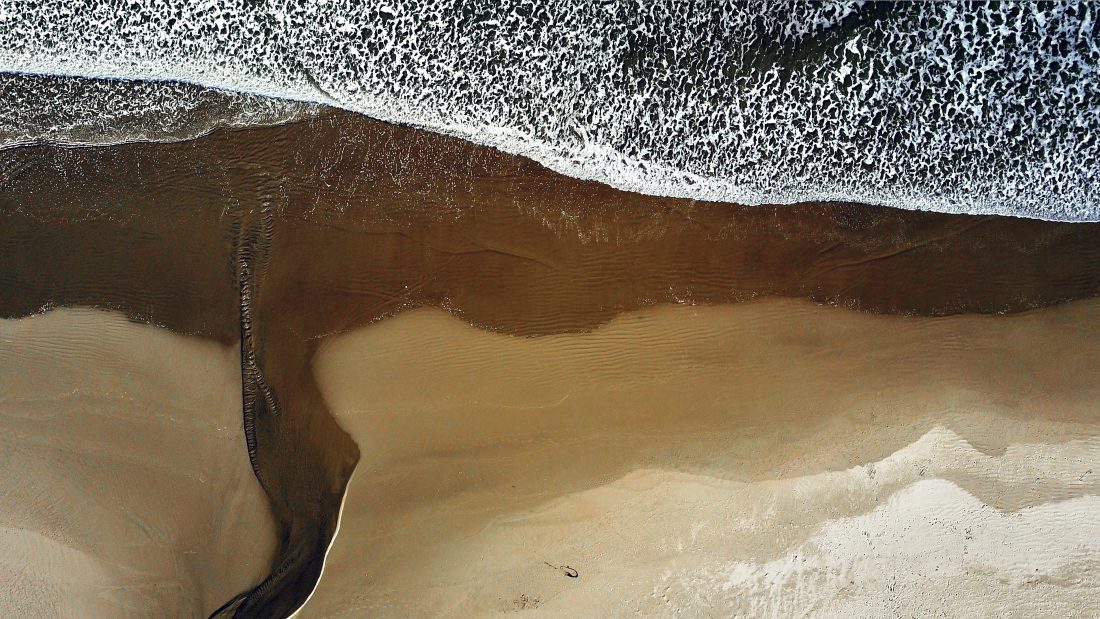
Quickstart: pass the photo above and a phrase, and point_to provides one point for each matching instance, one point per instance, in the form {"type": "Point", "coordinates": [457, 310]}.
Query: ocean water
{"type": "Point", "coordinates": [962, 108]}
{"type": "Point", "coordinates": [45, 109]}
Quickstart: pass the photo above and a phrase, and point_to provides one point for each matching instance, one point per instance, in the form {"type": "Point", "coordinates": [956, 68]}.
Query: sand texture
{"type": "Point", "coordinates": [125, 488]}
{"type": "Point", "coordinates": [761, 459]}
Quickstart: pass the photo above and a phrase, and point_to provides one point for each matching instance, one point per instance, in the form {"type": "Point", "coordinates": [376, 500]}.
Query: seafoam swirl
{"type": "Point", "coordinates": [945, 107]}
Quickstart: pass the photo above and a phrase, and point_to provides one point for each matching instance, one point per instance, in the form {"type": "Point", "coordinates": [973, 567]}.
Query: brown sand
{"type": "Point", "coordinates": [124, 486]}
{"type": "Point", "coordinates": [324, 226]}
{"type": "Point", "coordinates": [765, 458]}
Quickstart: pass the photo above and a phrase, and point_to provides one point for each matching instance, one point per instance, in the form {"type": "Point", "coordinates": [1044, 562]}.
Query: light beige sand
{"type": "Point", "coordinates": [125, 487]}
{"type": "Point", "coordinates": [768, 458]}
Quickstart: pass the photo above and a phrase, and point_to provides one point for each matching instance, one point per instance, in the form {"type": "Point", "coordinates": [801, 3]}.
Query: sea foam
{"type": "Point", "coordinates": [944, 107]}
{"type": "Point", "coordinates": [72, 111]}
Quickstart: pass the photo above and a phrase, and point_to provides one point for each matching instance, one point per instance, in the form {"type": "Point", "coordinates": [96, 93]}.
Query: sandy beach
{"type": "Point", "coordinates": [565, 309]}
{"type": "Point", "coordinates": [125, 488]}
{"type": "Point", "coordinates": [758, 459]}
{"type": "Point", "coordinates": [340, 225]}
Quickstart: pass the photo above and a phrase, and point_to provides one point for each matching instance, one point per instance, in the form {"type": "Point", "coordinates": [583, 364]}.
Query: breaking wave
{"type": "Point", "coordinates": [944, 107]}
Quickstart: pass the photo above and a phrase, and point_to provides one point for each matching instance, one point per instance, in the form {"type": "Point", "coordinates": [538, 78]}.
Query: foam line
{"type": "Point", "coordinates": [929, 106]}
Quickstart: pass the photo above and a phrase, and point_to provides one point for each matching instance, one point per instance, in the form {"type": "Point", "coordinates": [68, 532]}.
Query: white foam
{"type": "Point", "coordinates": [922, 106]}
{"type": "Point", "coordinates": [84, 112]}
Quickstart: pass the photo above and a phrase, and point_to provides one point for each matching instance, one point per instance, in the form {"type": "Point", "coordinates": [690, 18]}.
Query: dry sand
{"type": "Point", "coordinates": [125, 486]}
{"type": "Point", "coordinates": [761, 459]}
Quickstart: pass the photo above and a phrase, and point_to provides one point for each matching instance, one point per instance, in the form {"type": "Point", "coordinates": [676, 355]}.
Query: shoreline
{"type": "Point", "coordinates": [600, 162]}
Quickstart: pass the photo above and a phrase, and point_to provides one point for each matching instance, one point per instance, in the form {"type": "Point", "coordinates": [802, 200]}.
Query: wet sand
{"type": "Point", "coordinates": [124, 487]}
{"type": "Point", "coordinates": [315, 229]}
{"type": "Point", "coordinates": [761, 459]}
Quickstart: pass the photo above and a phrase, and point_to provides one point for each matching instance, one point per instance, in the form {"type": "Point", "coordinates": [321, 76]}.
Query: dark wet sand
{"type": "Point", "coordinates": [315, 228]}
